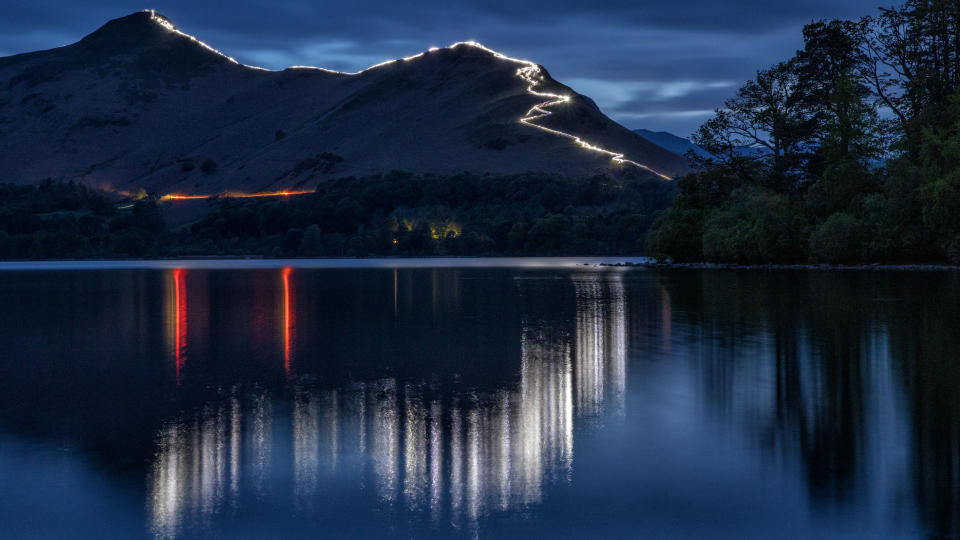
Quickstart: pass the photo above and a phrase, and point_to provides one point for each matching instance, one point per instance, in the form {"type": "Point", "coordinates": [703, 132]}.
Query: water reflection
{"type": "Point", "coordinates": [601, 344]}
{"type": "Point", "coordinates": [457, 458]}
{"type": "Point", "coordinates": [288, 318]}
{"type": "Point", "coordinates": [825, 373]}
{"type": "Point", "coordinates": [176, 315]}
{"type": "Point", "coordinates": [442, 402]}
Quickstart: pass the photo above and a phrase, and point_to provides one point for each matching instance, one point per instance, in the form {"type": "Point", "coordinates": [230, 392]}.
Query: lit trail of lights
{"type": "Point", "coordinates": [529, 72]}
{"type": "Point", "coordinates": [234, 195]}
{"type": "Point", "coordinates": [183, 197]}
{"type": "Point", "coordinates": [533, 75]}
{"type": "Point", "coordinates": [169, 26]}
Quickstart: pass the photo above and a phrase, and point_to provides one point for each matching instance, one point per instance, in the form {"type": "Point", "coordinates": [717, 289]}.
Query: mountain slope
{"type": "Point", "coordinates": [680, 146]}
{"type": "Point", "coordinates": [138, 104]}
{"type": "Point", "coordinates": [671, 142]}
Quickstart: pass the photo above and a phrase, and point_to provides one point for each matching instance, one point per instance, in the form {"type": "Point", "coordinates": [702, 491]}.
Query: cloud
{"type": "Point", "coordinates": [677, 106]}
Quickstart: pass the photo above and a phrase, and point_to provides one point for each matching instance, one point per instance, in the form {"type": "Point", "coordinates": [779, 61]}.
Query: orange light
{"type": "Point", "coordinates": [234, 195]}
{"type": "Point", "coordinates": [287, 318]}
{"type": "Point", "coordinates": [178, 197]}
{"type": "Point", "coordinates": [180, 307]}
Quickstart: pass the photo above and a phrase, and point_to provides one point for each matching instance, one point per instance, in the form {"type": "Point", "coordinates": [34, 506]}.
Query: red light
{"type": "Point", "coordinates": [180, 307]}
{"type": "Point", "coordinates": [287, 319]}
{"type": "Point", "coordinates": [234, 195]}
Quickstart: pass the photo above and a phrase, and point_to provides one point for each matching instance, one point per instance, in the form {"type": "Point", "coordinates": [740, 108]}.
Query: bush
{"type": "Point", "coordinates": [838, 240]}
{"type": "Point", "coordinates": [546, 236]}
{"type": "Point", "coordinates": [678, 236]}
{"type": "Point", "coordinates": [953, 250]}
{"type": "Point", "coordinates": [755, 227]}
{"type": "Point", "coordinates": [312, 243]}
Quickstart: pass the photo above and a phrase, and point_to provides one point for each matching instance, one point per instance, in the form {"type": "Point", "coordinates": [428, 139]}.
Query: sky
{"type": "Point", "coordinates": [663, 65]}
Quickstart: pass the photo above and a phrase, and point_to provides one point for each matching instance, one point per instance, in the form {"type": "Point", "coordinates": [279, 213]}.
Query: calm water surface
{"type": "Point", "coordinates": [522, 402]}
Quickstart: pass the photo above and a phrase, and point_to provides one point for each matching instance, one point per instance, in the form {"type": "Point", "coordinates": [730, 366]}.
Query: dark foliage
{"type": "Point", "coordinates": [830, 180]}
{"type": "Point", "coordinates": [404, 214]}
{"type": "Point", "coordinates": [394, 214]}
{"type": "Point", "coordinates": [60, 220]}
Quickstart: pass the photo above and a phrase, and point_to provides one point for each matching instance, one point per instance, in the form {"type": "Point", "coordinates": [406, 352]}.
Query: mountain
{"type": "Point", "coordinates": [671, 142]}
{"type": "Point", "coordinates": [140, 104]}
{"type": "Point", "coordinates": [680, 146]}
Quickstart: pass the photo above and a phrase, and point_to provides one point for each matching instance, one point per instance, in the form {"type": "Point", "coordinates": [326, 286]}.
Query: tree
{"type": "Point", "coordinates": [849, 132]}
{"type": "Point", "coordinates": [312, 243]}
{"type": "Point", "coordinates": [912, 61]}
{"type": "Point", "coordinates": [837, 240]}
{"type": "Point", "coordinates": [830, 82]}
{"type": "Point", "coordinates": [769, 116]}
{"type": "Point", "coordinates": [940, 195]}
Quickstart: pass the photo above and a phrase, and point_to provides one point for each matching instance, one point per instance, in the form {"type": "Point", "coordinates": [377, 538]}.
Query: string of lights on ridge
{"type": "Point", "coordinates": [529, 72]}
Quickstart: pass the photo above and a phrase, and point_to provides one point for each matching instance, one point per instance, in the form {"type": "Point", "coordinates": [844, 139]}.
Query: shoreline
{"type": "Point", "coordinates": [875, 267]}
{"type": "Point", "coordinates": [217, 263]}
{"type": "Point", "coordinates": [226, 262]}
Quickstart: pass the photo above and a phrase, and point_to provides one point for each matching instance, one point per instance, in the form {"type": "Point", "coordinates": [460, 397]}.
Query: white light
{"type": "Point", "coordinates": [529, 71]}
{"type": "Point", "coordinates": [169, 26]}
{"type": "Point", "coordinates": [533, 75]}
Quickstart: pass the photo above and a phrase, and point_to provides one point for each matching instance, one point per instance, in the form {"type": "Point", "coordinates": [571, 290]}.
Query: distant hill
{"type": "Point", "coordinates": [680, 146]}
{"type": "Point", "coordinates": [671, 142]}
{"type": "Point", "coordinates": [139, 104]}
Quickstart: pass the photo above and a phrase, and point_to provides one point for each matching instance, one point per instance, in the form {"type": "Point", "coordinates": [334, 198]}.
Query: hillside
{"type": "Point", "coordinates": [680, 146]}
{"type": "Point", "coordinates": [671, 142]}
{"type": "Point", "coordinates": [139, 104]}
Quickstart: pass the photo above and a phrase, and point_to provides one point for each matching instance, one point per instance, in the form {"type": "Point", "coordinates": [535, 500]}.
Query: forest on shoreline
{"type": "Point", "coordinates": [397, 214]}
{"type": "Point", "coordinates": [855, 152]}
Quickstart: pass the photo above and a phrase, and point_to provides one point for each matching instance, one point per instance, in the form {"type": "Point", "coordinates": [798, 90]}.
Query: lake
{"type": "Point", "coordinates": [520, 398]}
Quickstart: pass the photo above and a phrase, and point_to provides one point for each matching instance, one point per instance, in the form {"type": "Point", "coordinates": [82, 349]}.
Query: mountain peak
{"type": "Point", "coordinates": [465, 52]}
{"type": "Point", "coordinates": [475, 50]}
{"type": "Point", "coordinates": [134, 28]}
{"type": "Point", "coordinates": [146, 31]}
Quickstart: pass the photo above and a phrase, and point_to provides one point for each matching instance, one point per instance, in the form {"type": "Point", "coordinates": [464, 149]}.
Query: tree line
{"type": "Point", "coordinates": [855, 151]}
{"type": "Point", "coordinates": [384, 215]}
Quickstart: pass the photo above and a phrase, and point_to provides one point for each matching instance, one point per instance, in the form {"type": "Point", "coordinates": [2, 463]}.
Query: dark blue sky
{"type": "Point", "coordinates": [656, 64]}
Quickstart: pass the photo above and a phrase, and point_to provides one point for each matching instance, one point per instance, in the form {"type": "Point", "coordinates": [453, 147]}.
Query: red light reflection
{"type": "Point", "coordinates": [180, 324]}
{"type": "Point", "coordinates": [287, 318]}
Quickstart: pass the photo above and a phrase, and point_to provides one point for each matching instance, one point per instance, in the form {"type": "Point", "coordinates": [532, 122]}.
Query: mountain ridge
{"type": "Point", "coordinates": [674, 143]}
{"type": "Point", "coordinates": [140, 104]}
{"type": "Point", "coordinates": [680, 146]}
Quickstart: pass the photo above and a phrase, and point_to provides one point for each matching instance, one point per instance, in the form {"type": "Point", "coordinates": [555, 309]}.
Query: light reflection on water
{"type": "Point", "coordinates": [496, 455]}
{"type": "Point", "coordinates": [439, 402]}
